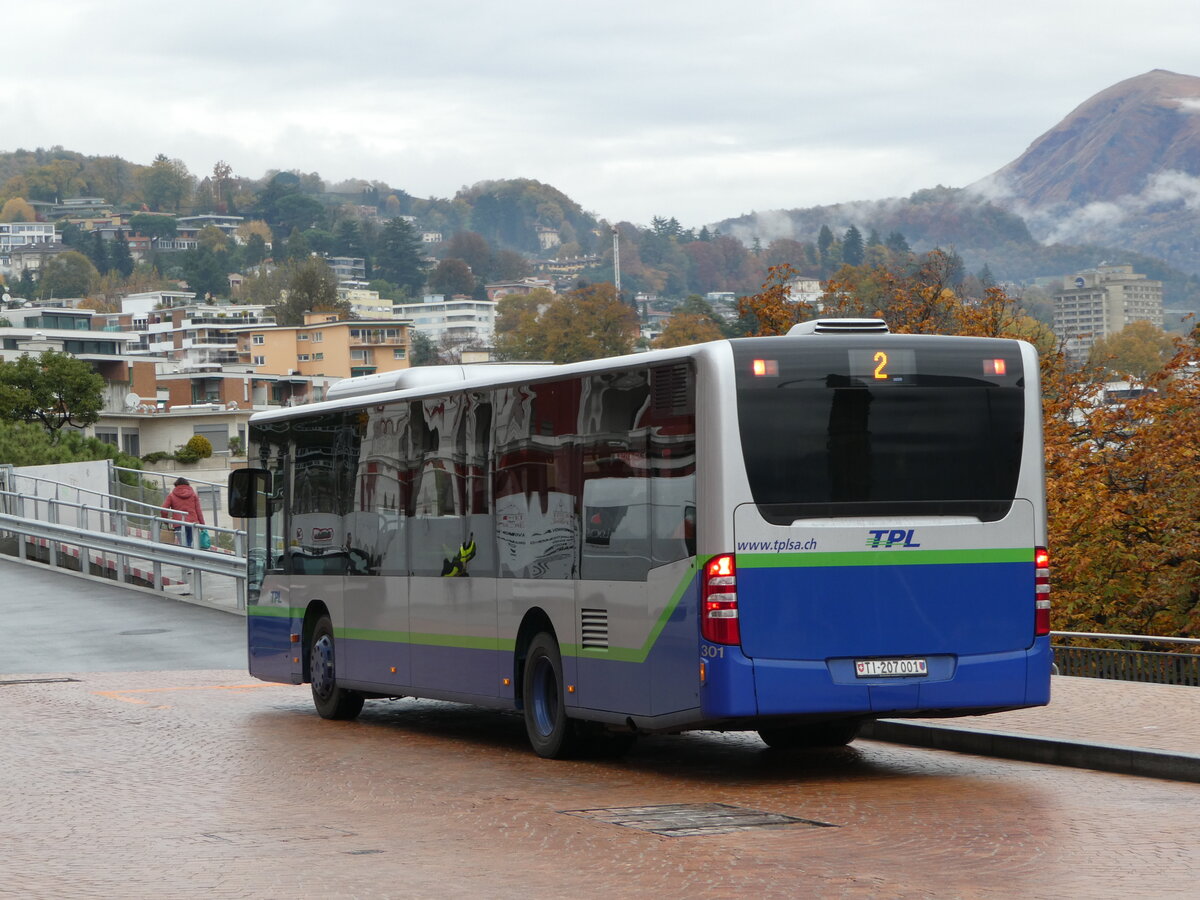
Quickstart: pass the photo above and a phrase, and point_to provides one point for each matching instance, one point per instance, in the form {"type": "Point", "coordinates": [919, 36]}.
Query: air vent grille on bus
{"type": "Point", "coordinates": [594, 628]}
{"type": "Point", "coordinates": [839, 326]}
{"type": "Point", "coordinates": [671, 389]}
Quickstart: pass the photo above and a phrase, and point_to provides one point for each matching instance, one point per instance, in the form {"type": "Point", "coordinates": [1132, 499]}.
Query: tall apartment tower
{"type": "Point", "coordinates": [1098, 302]}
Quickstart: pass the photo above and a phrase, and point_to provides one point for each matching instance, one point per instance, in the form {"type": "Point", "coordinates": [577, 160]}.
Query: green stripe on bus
{"type": "Point", "coordinates": [275, 612]}
{"type": "Point", "coordinates": [457, 641]}
{"type": "Point", "coordinates": [883, 557]}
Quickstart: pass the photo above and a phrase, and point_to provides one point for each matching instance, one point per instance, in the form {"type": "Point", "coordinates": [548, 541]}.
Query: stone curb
{"type": "Point", "coordinates": [1048, 751]}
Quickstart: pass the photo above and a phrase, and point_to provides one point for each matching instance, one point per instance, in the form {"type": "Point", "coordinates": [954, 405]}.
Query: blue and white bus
{"type": "Point", "coordinates": [787, 534]}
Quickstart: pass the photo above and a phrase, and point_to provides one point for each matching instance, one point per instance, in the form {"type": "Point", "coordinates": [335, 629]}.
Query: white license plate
{"type": "Point", "coordinates": [890, 668]}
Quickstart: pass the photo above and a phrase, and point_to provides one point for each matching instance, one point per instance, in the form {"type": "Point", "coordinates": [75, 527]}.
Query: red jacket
{"type": "Point", "coordinates": [183, 504]}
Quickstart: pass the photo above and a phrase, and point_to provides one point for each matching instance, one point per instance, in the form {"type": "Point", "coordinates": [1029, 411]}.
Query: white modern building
{"type": "Point", "coordinates": [18, 234]}
{"type": "Point", "coordinates": [459, 319]}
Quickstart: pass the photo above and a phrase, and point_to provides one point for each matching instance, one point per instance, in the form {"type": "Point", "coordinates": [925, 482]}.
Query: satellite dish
{"type": "Point", "coordinates": [7, 298]}
{"type": "Point", "coordinates": [232, 404]}
{"type": "Point", "coordinates": [132, 400]}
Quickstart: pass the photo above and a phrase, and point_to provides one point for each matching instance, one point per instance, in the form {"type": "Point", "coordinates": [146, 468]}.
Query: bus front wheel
{"type": "Point", "coordinates": [331, 701]}
{"type": "Point", "coordinates": [551, 734]}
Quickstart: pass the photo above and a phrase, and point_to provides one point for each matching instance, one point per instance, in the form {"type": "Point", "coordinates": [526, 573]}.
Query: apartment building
{"type": "Point", "coordinates": [458, 319]}
{"type": "Point", "coordinates": [1096, 303]}
{"type": "Point", "coordinates": [18, 234]}
{"type": "Point", "coordinates": [325, 346]}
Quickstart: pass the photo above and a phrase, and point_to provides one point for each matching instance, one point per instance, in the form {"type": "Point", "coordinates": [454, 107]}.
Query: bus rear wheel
{"type": "Point", "coordinates": [837, 733]}
{"type": "Point", "coordinates": [331, 701]}
{"type": "Point", "coordinates": [551, 734]}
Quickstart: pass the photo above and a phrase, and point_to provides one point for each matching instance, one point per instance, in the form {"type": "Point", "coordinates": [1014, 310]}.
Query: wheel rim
{"type": "Point", "coordinates": [545, 696]}
{"type": "Point", "coordinates": [322, 666]}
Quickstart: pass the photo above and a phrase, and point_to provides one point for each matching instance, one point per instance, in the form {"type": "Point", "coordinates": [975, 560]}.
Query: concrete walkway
{"type": "Point", "coordinates": [1114, 726]}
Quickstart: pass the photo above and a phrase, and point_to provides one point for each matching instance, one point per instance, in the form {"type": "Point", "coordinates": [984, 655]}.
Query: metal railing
{"type": "Point", "coordinates": [1146, 665]}
{"type": "Point", "coordinates": [110, 540]}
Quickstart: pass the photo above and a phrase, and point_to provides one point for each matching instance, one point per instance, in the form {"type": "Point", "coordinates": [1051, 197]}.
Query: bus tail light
{"type": "Point", "coordinates": [718, 603]}
{"type": "Point", "coordinates": [1041, 580]}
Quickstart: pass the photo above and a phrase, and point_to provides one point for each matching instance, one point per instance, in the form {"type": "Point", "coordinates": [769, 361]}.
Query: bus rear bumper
{"type": "Point", "coordinates": [737, 686]}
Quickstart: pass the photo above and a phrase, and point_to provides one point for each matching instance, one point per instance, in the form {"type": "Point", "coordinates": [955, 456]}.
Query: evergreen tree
{"type": "Point", "coordinates": [97, 252]}
{"type": "Point", "coordinates": [398, 258]}
{"type": "Point", "coordinates": [255, 250]}
{"type": "Point", "coordinates": [852, 247]}
{"type": "Point", "coordinates": [986, 278]}
{"type": "Point", "coordinates": [824, 241]}
{"type": "Point", "coordinates": [122, 259]}
{"type": "Point", "coordinates": [205, 272]}
{"type": "Point", "coordinates": [897, 243]}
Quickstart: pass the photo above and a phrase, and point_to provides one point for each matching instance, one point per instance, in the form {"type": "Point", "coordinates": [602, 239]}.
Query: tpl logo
{"type": "Point", "coordinates": [895, 538]}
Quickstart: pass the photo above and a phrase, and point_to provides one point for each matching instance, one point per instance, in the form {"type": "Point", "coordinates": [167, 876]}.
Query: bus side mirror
{"type": "Point", "coordinates": [249, 492]}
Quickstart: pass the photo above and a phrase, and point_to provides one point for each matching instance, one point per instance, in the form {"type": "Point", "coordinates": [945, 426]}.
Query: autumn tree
{"type": "Point", "coordinates": [1123, 487]}
{"type": "Point", "coordinates": [17, 210]}
{"type": "Point", "coordinates": [1137, 351]}
{"type": "Point", "coordinates": [54, 390]}
{"type": "Point", "coordinates": [687, 328]}
{"type": "Point", "coordinates": [587, 323]}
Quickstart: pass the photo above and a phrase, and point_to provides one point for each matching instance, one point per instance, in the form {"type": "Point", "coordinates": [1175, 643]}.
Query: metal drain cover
{"type": "Point", "coordinates": [684, 819]}
{"type": "Point", "coordinates": [39, 681]}
{"type": "Point", "coordinates": [145, 631]}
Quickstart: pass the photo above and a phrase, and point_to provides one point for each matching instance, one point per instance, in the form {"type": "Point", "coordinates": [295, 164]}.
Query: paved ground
{"type": "Point", "coordinates": [189, 779]}
{"type": "Point", "coordinates": [208, 784]}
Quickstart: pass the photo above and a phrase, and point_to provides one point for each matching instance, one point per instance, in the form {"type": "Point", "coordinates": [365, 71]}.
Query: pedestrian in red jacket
{"type": "Point", "coordinates": [183, 505]}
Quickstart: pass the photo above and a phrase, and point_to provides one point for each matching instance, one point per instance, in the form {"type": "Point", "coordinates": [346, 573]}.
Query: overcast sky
{"type": "Point", "coordinates": [700, 110]}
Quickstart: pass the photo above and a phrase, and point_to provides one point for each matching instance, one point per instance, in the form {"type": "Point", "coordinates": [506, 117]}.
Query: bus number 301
{"type": "Point", "coordinates": [713, 652]}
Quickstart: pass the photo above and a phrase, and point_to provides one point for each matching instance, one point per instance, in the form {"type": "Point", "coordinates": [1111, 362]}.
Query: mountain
{"type": "Point", "coordinates": [1118, 144]}
{"type": "Point", "coordinates": [1121, 170]}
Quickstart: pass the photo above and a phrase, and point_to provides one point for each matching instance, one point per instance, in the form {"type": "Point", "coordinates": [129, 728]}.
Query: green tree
{"type": "Point", "coordinates": [311, 287]}
{"type": "Point", "coordinates": [452, 276]}
{"type": "Point", "coordinates": [53, 389]}
{"type": "Point", "coordinates": [422, 351]}
{"type": "Point", "coordinates": [66, 274]}
{"type": "Point", "coordinates": [26, 444]}
{"type": "Point", "coordinates": [852, 247]}
{"type": "Point", "coordinates": [398, 258]}
{"type": "Point", "coordinates": [824, 241]}
{"type": "Point", "coordinates": [154, 226]}
{"type": "Point", "coordinates": [122, 259]}
{"type": "Point", "coordinates": [167, 183]}
{"type": "Point", "coordinates": [97, 252]}
{"type": "Point", "coordinates": [255, 251]}
{"type": "Point", "coordinates": [206, 272]}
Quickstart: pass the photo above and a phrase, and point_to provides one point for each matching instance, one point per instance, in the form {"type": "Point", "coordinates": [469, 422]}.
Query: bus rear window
{"type": "Point", "coordinates": [893, 425]}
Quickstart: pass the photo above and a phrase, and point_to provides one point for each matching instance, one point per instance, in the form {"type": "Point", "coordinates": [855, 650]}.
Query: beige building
{"type": "Point", "coordinates": [1098, 302]}
{"type": "Point", "coordinates": [323, 345]}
